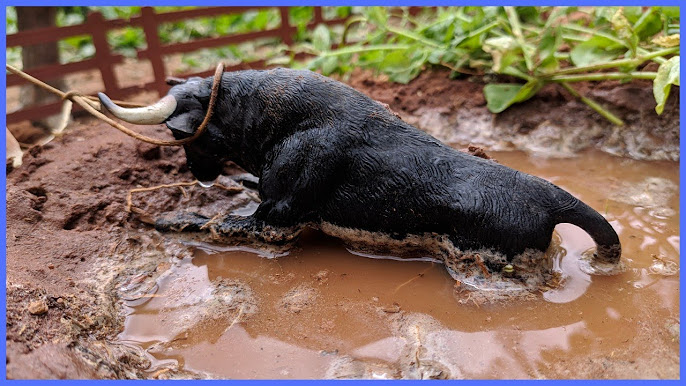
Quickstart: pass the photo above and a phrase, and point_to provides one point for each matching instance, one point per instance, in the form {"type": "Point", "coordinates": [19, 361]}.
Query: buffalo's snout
{"type": "Point", "coordinates": [204, 170]}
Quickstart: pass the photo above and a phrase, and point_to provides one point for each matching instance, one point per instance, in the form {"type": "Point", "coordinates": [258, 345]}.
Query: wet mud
{"type": "Point", "coordinates": [94, 292]}
{"type": "Point", "coordinates": [324, 311]}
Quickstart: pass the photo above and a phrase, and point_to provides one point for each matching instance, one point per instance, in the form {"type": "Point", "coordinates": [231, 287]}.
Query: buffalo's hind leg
{"type": "Point", "coordinates": [230, 227]}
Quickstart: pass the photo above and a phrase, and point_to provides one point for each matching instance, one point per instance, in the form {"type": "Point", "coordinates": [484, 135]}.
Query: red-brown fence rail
{"type": "Point", "coordinates": [105, 60]}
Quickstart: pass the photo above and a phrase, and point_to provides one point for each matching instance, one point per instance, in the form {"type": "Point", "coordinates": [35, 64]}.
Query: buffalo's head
{"type": "Point", "coordinates": [183, 110]}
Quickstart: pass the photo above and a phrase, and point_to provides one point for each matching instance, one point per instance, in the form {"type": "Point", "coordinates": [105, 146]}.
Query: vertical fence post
{"type": "Point", "coordinates": [318, 17]}
{"type": "Point", "coordinates": [154, 53]}
{"type": "Point", "coordinates": [286, 30]}
{"type": "Point", "coordinates": [103, 56]}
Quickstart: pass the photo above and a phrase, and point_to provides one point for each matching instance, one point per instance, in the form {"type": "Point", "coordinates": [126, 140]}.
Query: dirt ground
{"type": "Point", "coordinates": [73, 251]}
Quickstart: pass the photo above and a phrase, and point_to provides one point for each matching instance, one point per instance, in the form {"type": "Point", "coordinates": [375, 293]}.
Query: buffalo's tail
{"type": "Point", "coordinates": [608, 248]}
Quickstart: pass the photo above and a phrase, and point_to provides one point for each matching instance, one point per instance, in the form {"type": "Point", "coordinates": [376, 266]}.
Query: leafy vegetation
{"type": "Point", "coordinates": [127, 40]}
{"type": "Point", "coordinates": [517, 50]}
{"type": "Point", "coordinates": [532, 45]}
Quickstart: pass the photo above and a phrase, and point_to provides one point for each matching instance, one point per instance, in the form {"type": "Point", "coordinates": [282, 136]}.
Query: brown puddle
{"type": "Point", "coordinates": [323, 312]}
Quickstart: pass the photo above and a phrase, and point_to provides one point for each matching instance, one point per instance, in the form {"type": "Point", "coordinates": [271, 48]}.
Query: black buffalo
{"type": "Point", "coordinates": [329, 157]}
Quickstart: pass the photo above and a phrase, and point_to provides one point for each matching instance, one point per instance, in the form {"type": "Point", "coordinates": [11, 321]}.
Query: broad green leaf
{"type": "Point", "coordinates": [528, 14]}
{"type": "Point", "coordinates": [449, 33]}
{"type": "Point", "coordinates": [403, 77]}
{"type": "Point", "coordinates": [402, 69]}
{"type": "Point", "coordinates": [377, 15]}
{"type": "Point", "coordinates": [667, 75]}
{"type": "Point", "coordinates": [548, 44]}
{"type": "Point", "coordinates": [419, 57]}
{"type": "Point", "coordinates": [508, 59]}
{"type": "Point", "coordinates": [300, 15]}
{"type": "Point", "coordinates": [321, 39]}
{"type": "Point", "coordinates": [549, 65]}
{"type": "Point", "coordinates": [604, 14]}
{"type": "Point", "coordinates": [456, 56]}
{"type": "Point", "coordinates": [396, 61]}
{"type": "Point", "coordinates": [371, 58]}
{"type": "Point", "coordinates": [649, 24]}
{"type": "Point", "coordinates": [501, 96]}
{"type": "Point", "coordinates": [78, 41]}
{"type": "Point", "coordinates": [343, 11]}
{"type": "Point", "coordinates": [329, 65]}
{"type": "Point", "coordinates": [672, 12]}
{"type": "Point", "coordinates": [436, 56]}
{"type": "Point", "coordinates": [633, 14]}
{"type": "Point", "coordinates": [547, 47]}
{"type": "Point", "coordinates": [597, 49]}
{"type": "Point", "coordinates": [441, 29]}
{"type": "Point", "coordinates": [529, 89]}
{"type": "Point", "coordinates": [470, 43]}
{"type": "Point", "coordinates": [261, 20]}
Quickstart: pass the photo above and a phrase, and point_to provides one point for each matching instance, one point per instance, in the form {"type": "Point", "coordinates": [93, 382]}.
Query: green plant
{"type": "Point", "coordinates": [127, 40]}
{"type": "Point", "coordinates": [13, 54]}
{"type": "Point", "coordinates": [536, 45]}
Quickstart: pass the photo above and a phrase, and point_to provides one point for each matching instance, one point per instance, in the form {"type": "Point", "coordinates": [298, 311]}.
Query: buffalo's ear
{"type": "Point", "coordinates": [173, 80]}
{"type": "Point", "coordinates": [184, 124]}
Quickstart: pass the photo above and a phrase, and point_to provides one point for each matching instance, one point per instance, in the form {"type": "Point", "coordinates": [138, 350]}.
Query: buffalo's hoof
{"type": "Point", "coordinates": [181, 222]}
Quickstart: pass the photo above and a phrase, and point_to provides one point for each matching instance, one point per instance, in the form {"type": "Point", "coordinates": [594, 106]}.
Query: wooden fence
{"type": "Point", "coordinates": [105, 60]}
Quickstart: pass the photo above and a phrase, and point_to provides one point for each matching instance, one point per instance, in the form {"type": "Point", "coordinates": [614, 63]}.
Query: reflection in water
{"type": "Point", "coordinates": [322, 311]}
{"type": "Point", "coordinates": [575, 281]}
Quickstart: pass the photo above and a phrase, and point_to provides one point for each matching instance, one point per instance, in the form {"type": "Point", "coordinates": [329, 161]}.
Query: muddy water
{"type": "Point", "coordinates": [322, 311]}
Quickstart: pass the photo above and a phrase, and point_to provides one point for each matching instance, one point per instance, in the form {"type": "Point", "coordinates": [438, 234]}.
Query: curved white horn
{"type": "Point", "coordinates": [149, 115]}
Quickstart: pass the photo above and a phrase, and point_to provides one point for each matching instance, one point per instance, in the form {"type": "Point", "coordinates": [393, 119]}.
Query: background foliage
{"type": "Point", "coordinates": [516, 50]}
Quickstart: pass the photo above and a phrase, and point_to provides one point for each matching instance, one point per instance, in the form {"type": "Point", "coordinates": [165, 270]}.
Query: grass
{"type": "Point", "coordinates": [126, 41]}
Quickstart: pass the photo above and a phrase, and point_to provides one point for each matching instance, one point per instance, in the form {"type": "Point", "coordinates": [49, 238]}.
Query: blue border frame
{"type": "Point", "coordinates": [682, 114]}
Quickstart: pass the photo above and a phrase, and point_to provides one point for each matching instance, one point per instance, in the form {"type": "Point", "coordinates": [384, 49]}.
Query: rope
{"type": "Point", "coordinates": [88, 104]}
{"type": "Point", "coordinates": [61, 94]}
{"type": "Point", "coordinates": [129, 195]}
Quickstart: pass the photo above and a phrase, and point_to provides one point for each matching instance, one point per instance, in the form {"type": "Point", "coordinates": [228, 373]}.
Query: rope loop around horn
{"type": "Point", "coordinates": [86, 103]}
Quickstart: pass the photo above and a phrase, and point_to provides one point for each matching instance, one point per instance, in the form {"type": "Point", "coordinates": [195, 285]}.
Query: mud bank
{"type": "Point", "coordinates": [80, 268]}
{"type": "Point", "coordinates": [551, 124]}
